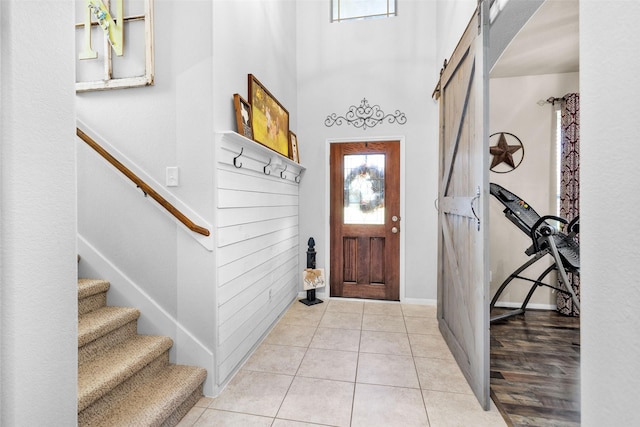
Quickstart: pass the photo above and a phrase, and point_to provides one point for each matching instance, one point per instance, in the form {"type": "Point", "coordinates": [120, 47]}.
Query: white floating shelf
{"type": "Point", "coordinates": [244, 153]}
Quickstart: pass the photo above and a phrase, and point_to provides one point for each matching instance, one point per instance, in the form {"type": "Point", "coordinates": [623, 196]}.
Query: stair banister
{"type": "Point", "coordinates": [142, 185]}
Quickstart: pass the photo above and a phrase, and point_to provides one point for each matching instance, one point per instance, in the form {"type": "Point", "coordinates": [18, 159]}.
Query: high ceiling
{"type": "Point", "coordinates": [547, 44]}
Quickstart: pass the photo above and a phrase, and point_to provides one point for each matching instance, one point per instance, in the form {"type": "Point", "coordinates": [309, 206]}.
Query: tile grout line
{"type": "Point", "coordinates": [301, 360]}
{"type": "Point", "coordinates": [355, 378]}
{"type": "Point", "coordinates": [413, 358]}
{"type": "Point", "coordinates": [354, 381]}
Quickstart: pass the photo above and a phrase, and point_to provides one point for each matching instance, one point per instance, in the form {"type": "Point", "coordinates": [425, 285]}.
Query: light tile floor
{"type": "Point", "coordinates": [348, 363]}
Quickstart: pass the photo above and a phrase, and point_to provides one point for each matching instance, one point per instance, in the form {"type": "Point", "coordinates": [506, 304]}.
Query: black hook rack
{"type": "Point", "coordinates": [265, 168]}
{"type": "Point", "coordinates": [235, 159]}
{"type": "Point", "coordinates": [282, 175]}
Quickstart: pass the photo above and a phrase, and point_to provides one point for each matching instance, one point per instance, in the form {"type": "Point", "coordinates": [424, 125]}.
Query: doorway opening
{"type": "Point", "coordinates": [541, 65]}
{"type": "Point", "coordinates": [365, 219]}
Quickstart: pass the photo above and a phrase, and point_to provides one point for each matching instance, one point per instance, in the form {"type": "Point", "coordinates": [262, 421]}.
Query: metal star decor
{"type": "Point", "coordinates": [503, 152]}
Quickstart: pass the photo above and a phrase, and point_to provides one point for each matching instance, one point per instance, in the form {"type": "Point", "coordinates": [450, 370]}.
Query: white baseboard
{"type": "Point", "coordinates": [418, 301]}
{"type": "Point", "coordinates": [433, 302]}
{"type": "Point", "coordinates": [530, 305]}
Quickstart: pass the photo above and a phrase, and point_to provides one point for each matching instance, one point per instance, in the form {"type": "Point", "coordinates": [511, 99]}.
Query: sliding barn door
{"type": "Point", "coordinates": [463, 302]}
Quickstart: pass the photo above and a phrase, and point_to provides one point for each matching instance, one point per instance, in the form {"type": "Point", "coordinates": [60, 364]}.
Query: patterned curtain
{"type": "Point", "coordinates": [570, 183]}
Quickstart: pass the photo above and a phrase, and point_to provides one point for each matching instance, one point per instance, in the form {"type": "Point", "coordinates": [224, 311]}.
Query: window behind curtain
{"type": "Point", "coordinates": [342, 10]}
{"type": "Point", "coordinates": [558, 155]}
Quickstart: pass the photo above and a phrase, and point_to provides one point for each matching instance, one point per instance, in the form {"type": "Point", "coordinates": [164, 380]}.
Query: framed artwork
{"type": "Point", "coordinates": [293, 147]}
{"type": "Point", "coordinates": [313, 278]}
{"type": "Point", "coordinates": [243, 116]}
{"type": "Point", "coordinates": [269, 119]}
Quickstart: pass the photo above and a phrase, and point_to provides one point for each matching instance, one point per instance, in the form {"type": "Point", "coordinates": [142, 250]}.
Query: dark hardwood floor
{"type": "Point", "coordinates": [535, 369]}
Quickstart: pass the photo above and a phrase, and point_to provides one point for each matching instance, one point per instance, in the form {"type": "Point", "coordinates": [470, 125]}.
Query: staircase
{"type": "Point", "coordinates": [125, 379]}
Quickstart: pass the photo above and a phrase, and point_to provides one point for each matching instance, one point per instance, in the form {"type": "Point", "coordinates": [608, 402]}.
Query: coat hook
{"type": "Point", "coordinates": [235, 159]}
{"type": "Point", "coordinates": [297, 178]}
{"type": "Point", "coordinates": [282, 175]}
{"type": "Point", "coordinates": [266, 166]}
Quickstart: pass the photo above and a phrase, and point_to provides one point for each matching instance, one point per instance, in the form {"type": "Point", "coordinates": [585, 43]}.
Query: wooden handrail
{"type": "Point", "coordinates": [141, 184]}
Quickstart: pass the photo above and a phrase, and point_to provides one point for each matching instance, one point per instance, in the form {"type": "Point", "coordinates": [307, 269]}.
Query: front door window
{"type": "Point", "coordinates": [364, 189]}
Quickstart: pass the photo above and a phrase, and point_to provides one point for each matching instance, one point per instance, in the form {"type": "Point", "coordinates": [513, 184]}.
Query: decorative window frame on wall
{"type": "Point", "coordinates": [126, 30]}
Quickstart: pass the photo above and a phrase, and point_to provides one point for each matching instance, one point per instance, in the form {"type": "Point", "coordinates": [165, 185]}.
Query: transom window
{"type": "Point", "coordinates": [343, 10]}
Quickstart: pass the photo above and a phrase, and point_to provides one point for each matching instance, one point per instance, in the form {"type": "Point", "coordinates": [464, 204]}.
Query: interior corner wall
{"type": "Point", "coordinates": [254, 37]}
{"type": "Point", "coordinates": [609, 203]}
{"type": "Point", "coordinates": [259, 38]}
{"type": "Point", "coordinates": [390, 62]}
{"type": "Point", "coordinates": [38, 304]}
{"type": "Point", "coordinates": [452, 17]}
{"type": "Point", "coordinates": [514, 109]}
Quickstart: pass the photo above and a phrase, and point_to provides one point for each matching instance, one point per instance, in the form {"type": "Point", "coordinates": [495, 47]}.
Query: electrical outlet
{"type": "Point", "coordinates": [172, 176]}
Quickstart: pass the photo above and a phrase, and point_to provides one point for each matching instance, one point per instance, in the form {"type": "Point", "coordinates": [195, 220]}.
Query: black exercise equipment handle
{"type": "Point", "coordinates": [547, 230]}
{"type": "Point", "coordinates": [574, 226]}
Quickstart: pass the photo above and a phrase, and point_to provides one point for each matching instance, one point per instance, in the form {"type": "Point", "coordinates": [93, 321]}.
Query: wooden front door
{"type": "Point", "coordinates": [463, 279]}
{"type": "Point", "coordinates": [365, 220]}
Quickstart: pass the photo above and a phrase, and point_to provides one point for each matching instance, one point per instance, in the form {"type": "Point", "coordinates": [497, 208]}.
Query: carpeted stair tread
{"type": "Point", "coordinates": [125, 379]}
{"type": "Point", "coordinates": [101, 374]}
{"type": "Point", "coordinates": [98, 323]}
{"type": "Point", "coordinates": [88, 287]}
{"type": "Point", "coordinates": [154, 401]}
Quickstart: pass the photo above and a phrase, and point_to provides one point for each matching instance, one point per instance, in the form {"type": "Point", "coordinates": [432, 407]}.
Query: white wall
{"type": "Point", "coordinates": [514, 108]}
{"type": "Point", "coordinates": [36, 220]}
{"type": "Point", "coordinates": [452, 17]}
{"type": "Point", "coordinates": [168, 124]}
{"type": "Point", "coordinates": [390, 62]}
{"type": "Point", "coordinates": [203, 52]}
{"type": "Point", "coordinates": [38, 215]}
{"type": "Point", "coordinates": [257, 245]}
{"type": "Point", "coordinates": [257, 37]}
{"type": "Point", "coordinates": [609, 202]}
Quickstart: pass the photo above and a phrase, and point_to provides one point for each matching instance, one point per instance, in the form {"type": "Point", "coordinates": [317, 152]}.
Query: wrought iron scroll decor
{"type": "Point", "coordinates": [365, 116]}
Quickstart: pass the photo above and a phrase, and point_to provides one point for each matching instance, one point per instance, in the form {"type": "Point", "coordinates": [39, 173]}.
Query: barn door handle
{"type": "Point", "coordinates": [476, 197]}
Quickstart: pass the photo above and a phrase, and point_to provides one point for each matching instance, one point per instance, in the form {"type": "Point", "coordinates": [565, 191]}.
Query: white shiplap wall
{"type": "Point", "coordinates": [257, 245]}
